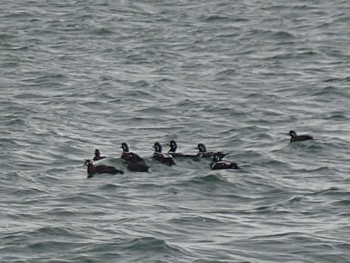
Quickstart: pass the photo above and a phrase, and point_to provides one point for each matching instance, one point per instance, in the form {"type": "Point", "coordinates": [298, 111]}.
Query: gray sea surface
{"type": "Point", "coordinates": [235, 75]}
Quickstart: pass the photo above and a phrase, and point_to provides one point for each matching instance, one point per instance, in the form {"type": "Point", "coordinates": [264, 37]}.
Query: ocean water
{"type": "Point", "coordinates": [236, 75]}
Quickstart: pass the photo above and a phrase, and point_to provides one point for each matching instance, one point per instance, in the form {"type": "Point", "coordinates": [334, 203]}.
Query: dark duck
{"type": "Point", "coordinates": [295, 138]}
{"type": "Point", "coordinates": [98, 155]}
{"type": "Point", "coordinates": [163, 158]}
{"type": "Point", "coordinates": [174, 154]}
{"type": "Point", "coordinates": [219, 164]}
{"type": "Point", "coordinates": [100, 169]}
{"type": "Point", "coordinates": [203, 153]}
{"type": "Point", "coordinates": [134, 161]}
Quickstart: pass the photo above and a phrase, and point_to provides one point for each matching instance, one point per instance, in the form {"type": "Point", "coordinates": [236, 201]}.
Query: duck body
{"type": "Point", "coordinates": [219, 164]}
{"type": "Point", "coordinates": [100, 169]}
{"type": "Point", "coordinates": [222, 165]}
{"type": "Point", "coordinates": [138, 167]}
{"type": "Point", "coordinates": [297, 138]}
{"type": "Point", "coordinates": [163, 158]}
{"type": "Point", "coordinates": [98, 155]}
{"type": "Point", "coordinates": [176, 155]}
{"type": "Point", "coordinates": [134, 161]}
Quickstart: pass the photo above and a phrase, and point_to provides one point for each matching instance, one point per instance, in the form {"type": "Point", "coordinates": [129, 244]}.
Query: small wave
{"type": "Point", "coordinates": [52, 246]}
{"type": "Point", "coordinates": [195, 220]}
{"type": "Point", "coordinates": [322, 169]}
{"type": "Point", "coordinates": [226, 72]}
{"type": "Point", "coordinates": [217, 183]}
{"type": "Point", "coordinates": [333, 191]}
{"type": "Point", "coordinates": [61, 212]}
{"type": "Point", "coordinates": [84, 198]}
{"type": "Point", "coordinates": [271, 209]}
{"type": "Point", "coordinates": [274, 163]}
{"type": "Point", "coordinates": [346, 79]}
{"type": "Point", "coordinates": [103, 31]}
{"type": "Point", "coordinates": [295, 199]}
{"type": "Point", "coordinates": [148, 244]}
{"type": "Point", "coordinates": [109, 187]}
{"type": "Point", "coordinates": [4, 36]}
{"type": "Point", "coordinates": [216, 18]}
{"type": "Point", "coordinates": [31, 191]}
{"type": "Point", "coordinates": [330, 90]}
{"type": "Point", "coordinates": [337, 116]}
{"type": "Point", "coordinates": [141, 249]}
{"type": "Point", "coordinates": [211, 179]}
{"type": "Point", "coordinates": [345, 203]}
{"type": "Point", "coordinates": [153, 110]}
{"type": "Point", "coordinates": [303, 7]}
{"type": "Point", "coordinates": [15, 121]}
{"type": "Point", "coordinates": [48, 231]}
{"type": "Point", "coordinates": [282, 35]}
{"type": "Point", "coordinates": [289, 235]}
{"type": "Point", "coordinates": [311, 146]}
{"type": "Point", "coordinates": [31, 95]}
{"type": "Point", "coordinates": [45, 79]}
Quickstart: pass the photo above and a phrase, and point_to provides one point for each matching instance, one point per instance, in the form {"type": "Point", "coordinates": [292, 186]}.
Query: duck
{"type": "Point", "coordinates": [294, 137]}
{"type": "Point", "coordinates": [134, 161]}
{"type": "Point", "coordinates": [174, 154]}
{"type": "Point", "coordinates": [128, 156]}
{"type": "Point", "coordinates": [100, 169]}
{"type": "Point", "coordinates": [203, 153]}
{"type": "Point", "coordinates": [98, 155]}
{"type": "Point", "coordinates": [219, 164]}
{"type": "Point", "coordinates": [163, 158]}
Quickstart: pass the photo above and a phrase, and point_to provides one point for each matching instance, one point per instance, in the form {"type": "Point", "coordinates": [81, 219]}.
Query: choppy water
{"type": "Point", "coordinates": [235, 75]}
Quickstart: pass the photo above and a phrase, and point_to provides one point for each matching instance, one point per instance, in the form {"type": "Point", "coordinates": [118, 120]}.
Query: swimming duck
{"type": "Point", "coordinates": [294, 137]}
{"type": "Point", "coordinates": [130, 156]}
{"type": "Point", "coordinates": [202, 152]}
{"type": "Point", "coordinates": [174, 154]}
{"type": "Point", "coordinates": [219, 164]}
{"type": "Point", "coordinates": [100, 169]}
{"type": "Point", "coordinates": [134, 161]}
{"type": "Point", "coordinates": [162, 157]}
{"type": "Point", "coordinates": [98, 155]}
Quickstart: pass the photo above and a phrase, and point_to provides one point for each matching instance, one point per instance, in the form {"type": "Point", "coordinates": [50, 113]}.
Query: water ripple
{"type": "Point", "coordinates": [236, 76]}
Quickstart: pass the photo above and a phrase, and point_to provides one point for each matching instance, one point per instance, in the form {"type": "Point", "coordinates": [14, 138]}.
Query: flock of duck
{"type": "Point", "coordinates": [135, 163]}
